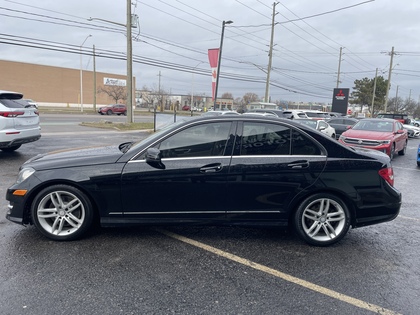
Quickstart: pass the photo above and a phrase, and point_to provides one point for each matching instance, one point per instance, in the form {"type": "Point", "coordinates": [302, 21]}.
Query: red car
{"type": "Point", "coordinates": [119, 109]}
{"type": "Point", "coordinates": [385, 135]}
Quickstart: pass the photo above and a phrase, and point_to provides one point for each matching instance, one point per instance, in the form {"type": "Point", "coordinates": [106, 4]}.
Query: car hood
{"type": "Point", "coordinates": [75, 157]}
{"type": "Point", "coordinates": [365, 134]}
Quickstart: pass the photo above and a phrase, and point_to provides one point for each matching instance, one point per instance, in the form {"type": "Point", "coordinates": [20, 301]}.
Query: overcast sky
{"type": "Point", "coordinates": [174, 37]}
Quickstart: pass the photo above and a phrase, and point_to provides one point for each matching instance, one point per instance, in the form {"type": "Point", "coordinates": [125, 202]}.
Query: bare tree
{"type": "Point", "coordinates": [250, 97]}
{"type": "Point", "coordinates": [115, 92]}
{"type": "Point", "coordinates": [159, 96]}
{"type": "Point", "coordinates": [227, 95]}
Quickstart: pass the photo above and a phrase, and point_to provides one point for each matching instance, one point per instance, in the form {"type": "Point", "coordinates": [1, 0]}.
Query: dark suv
{"type": "Point", "coordinates": [402, 118]}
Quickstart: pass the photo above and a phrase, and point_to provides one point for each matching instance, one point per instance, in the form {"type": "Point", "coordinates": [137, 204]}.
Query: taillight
{"type": "Point", "coordinates": [11, 114]}
{"type": "Point", "coordinates": [388, 175]}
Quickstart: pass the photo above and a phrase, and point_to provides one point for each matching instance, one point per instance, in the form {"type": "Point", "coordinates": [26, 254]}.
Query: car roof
{"type": "Point", "coordinates": [10, 95]}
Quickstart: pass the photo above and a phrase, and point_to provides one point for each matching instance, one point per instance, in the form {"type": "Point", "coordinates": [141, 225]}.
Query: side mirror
{"type": "Point", "coordinates": [154, 158]}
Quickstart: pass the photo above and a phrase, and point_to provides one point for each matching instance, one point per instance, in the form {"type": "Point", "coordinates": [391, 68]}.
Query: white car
{"type": "Point", "coordinates": [295, 114]}
{"type": "Point", "coordinates": [259, 114]}
{"type": "Point", "coordinates": [19, 123]}
{"type": "Point", "coordinates": [413, 131]}
{"type": "Point", "coordinates": [219, 113]}
{"type": "Point", "coordinates": [319, 125]}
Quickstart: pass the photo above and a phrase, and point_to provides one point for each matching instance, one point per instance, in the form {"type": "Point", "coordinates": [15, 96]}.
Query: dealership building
{"type": "Point", "coordinates": [56, 86]}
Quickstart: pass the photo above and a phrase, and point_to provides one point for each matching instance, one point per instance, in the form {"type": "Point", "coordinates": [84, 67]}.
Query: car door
{"type": "Point", "coordinates": [400, 137]}
{"type": "Point", "coordinates": [272, 163]}
{"type": "Point", "coordinates": [190, 185]}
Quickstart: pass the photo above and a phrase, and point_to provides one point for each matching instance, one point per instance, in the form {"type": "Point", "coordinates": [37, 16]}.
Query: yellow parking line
{"type": "Point", "coordinates": [306, 284]}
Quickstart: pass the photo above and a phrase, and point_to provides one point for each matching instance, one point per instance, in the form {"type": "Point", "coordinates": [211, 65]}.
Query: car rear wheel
{"type": "Point", "coordinates": [322, 219]}
{"type": "Point", "coordinates": [402, 152]}
{"type": "Point", "coordinates": [12, 148]}
{"type": "Point", "coordinates": [62, 212]}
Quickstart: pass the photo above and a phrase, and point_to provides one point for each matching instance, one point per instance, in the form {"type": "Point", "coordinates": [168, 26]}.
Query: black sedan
{"type": "Point", "coordinates": [341, 124]}
{"type": "Point", "coordinates": [234, 170]}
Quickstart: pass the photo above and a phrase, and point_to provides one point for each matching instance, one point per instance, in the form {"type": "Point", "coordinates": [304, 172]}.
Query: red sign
{"type": "Point", "coordinates": [213, 59]}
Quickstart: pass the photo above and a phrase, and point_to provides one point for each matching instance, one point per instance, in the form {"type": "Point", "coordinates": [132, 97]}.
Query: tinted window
{"type": "Point", "coordinates": [14, 103]}
{"type": "Point", "coordinates": [272, 139]}
{"type": "Point", "coordinates": [335, 121]}
{"type": "Point", "coordinates": [303, 145]}
{"type": "Point", "coordinates": [202, 140]}
{"type": "Point", "coordinates": [265, 139]}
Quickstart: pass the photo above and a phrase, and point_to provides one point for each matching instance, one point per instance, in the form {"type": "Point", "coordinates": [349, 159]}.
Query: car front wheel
{"type": "Point", "coordinates": [322, 219]}
{"type": "Point", "coordinates": [404, 149]}
{"type": "Point", "coordinates": [62, 212]}
{"type": "Point", "coordinates": [109, 112]}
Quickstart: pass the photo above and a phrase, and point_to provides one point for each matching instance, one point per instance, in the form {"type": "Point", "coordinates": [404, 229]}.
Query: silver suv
{"type": "Point", "coordinates": [19, 122]}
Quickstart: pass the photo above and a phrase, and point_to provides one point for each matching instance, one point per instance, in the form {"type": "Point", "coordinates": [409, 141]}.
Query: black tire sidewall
{"type": "Point", "coordinates": [80, 195]}
{"type": "Point", "coordinates": [298, 227]}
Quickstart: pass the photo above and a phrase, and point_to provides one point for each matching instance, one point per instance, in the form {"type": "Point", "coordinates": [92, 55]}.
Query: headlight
{"type": "Point", "coordinates": [24, 174]}
{"type": "Point", "coordinates": [384, 141]}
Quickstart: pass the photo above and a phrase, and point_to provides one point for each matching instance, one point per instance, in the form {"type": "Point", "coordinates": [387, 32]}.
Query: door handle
{"type": "Point", "coordinates": [298, 164]}
{"type": "Point", "coordinates": [211, 168]}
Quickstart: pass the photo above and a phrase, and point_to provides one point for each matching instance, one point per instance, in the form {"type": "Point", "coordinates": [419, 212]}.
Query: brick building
{"type": "Point", "coordinates": [49, 85]}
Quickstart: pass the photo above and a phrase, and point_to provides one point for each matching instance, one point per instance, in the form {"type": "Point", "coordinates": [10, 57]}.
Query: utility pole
{"type": "Point", "coordinates": [94, 80]}
{"type": "Point", "coordinates": [270, 55]}
{"type": "Point", "coordinates": [389, 80]}
{"type": "Point", "coordinates": [374, 90]}
{"type": "Point", "coordinates": [339, 67]}
{"type": "Point", "coordinates": [129, 66]}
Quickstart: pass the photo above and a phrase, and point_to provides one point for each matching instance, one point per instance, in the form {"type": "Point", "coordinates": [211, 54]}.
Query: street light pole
{"type": "Point", "coordinates": [129, 66]}
{"type": "Point", "coordinates": [192, 88]}
{"type": "Point", "coordinates": [219, 61]}
{"type": "Point", "coordinates": [81, 74]}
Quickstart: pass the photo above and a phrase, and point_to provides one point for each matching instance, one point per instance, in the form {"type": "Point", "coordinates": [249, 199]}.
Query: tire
{"type": "Point", "coordinates": [391, 153]}
{"type": "Point", "coordinates": [334, 136]}
{"type": "Point", "coordinates": [12, 148]}
{"type": "Point", "coordinates": [402, 152]}
{"type": "Point", "coordinates": [418, 164]}
{"type": "Point", "coordinates": [322, 219]}
{"type": "Point", "coordinates": [62, 213]}
{"type": "Point", "coordinates": [416, 125]}
{"type": "Point", "coordinates": [125, 113]}
{"type": "Point", "coordinates": [109, 112]}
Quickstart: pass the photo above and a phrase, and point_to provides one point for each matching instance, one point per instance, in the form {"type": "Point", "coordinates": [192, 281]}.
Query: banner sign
{"type": "Point", "coordinates": [213, 60]}
{"type": "Point", "coordinates": [117, 82]}
{"type": "Point", "coordinates": [340, 101]}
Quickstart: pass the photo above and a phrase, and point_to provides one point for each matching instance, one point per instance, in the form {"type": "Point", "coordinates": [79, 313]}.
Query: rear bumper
{"type": "Point", "coordinates": [18, 141]}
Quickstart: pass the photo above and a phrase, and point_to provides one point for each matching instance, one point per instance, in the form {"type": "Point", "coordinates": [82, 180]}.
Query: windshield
{"type": "Point", "coordinates": [370, 125]}
{"type": "Point", "coordinates": [152, 136]}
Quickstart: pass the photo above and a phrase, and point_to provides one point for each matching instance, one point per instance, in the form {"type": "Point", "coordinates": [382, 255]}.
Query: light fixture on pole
{"type": "Point", "coordinates": [81, 74]}
{"type": "Point", "coordinates": [219, 61]}
{"type": "Point", "coordinates": [128, 27]}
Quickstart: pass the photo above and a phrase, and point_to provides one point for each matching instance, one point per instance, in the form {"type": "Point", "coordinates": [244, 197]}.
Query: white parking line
{"type": "Point", "coordinates": [306, 284]}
